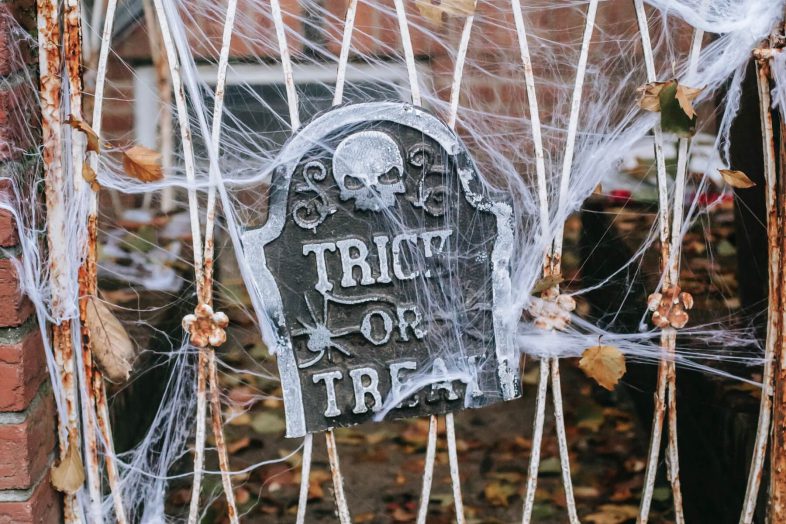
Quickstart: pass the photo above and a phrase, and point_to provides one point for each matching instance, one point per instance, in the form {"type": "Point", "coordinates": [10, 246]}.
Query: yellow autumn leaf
{"type": "Point", "coordinates": [92, 138]}
{"type": "Point", "coordinates": [68, 475]}
{"type": "Point", "coordinates": [111, 346]}
{"type": "Point", "coordinates": [736, 179]}
{"type": "Point", "coordinates": [142, 163]}
{"type": "Point", "coordinates": [604, 364]}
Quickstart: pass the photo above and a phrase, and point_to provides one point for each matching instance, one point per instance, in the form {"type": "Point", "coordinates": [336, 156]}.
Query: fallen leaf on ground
{"type": "Point", "coordinates": [315, 481]}
{"type": "Point", "coordinates": [604, 364]}
{"type": "Point", "coordinates": [242, 495]}
{"type": "Point", "coordinates": [499, 493]}
{"type": "Point", "coordinates": [268, 422]}
{"type": "Point", "coordinates": [234, 447]}
{"type": "Point", "coordinates": [613, 514]}
{"type": "Point", "coordinates": [736, 179]}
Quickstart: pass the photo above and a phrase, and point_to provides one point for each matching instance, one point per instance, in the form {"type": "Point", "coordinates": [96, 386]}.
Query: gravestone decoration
{"type": "Point", "coordinates": [384, 266]}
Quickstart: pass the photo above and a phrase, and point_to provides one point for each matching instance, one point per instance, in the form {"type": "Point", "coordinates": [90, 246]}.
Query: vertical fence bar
{"type": "Point", "coordinates": [774, 229]}
{"type": "Point", "coordinates": [49, 63]}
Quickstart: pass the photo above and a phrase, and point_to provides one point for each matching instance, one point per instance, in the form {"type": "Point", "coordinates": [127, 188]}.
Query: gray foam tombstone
{"type": "Point", "coordinates": [384, 266]}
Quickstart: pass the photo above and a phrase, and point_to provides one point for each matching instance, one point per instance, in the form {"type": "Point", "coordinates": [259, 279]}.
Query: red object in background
{"type": "Point", "coordinates": [619, 196]}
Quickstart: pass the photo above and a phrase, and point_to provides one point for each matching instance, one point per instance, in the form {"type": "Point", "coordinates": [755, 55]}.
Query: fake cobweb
{"type": "Point", "coordinates": [544, 98]}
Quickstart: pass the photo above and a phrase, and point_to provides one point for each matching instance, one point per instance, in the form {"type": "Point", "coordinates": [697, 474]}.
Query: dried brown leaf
{"type": "Point", "coordinates": [143, 164]}
{"type": "Point", "coordinates": [112, 348]}
{"type": "Point", "coordinates": [234, 447]}
{"type": "Point", "coordinates": [613, 514]}
{"type": "Point", "coordinates": [458, 7]}
{"type": "Point", "coordinates": [499, 493]}
{"type": "Point", "coordinates": [685, 96]}
{"type": "Point", "coordinates": [649, 95]}
{"type": "Point", "coordinates": [736, 179]}
{"type": "Point", "coordinates": [68, 475]}
{"type": "Point", "coordinates": [432, 11]}
{"type": "Point", "coordinates": [604, 364]}
{"type": "Point", "coordinates": [90, 177]}
{"type": "Point", "coordinates": [93, 144]}
{"type": "Point", "coordinates": [546, 283]}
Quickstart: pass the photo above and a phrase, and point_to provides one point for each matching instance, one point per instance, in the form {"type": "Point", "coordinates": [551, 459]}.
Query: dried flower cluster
{"type": "Point", "coordinates": [670, 308]}
{"type": "Point", "coordinates": [206, 327]}
{"type": "Point", "coordinates": [552, 310]}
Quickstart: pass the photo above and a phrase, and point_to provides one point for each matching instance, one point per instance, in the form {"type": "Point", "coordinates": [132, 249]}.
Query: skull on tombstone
{"type": "Point", "coordinates": [368, 167]}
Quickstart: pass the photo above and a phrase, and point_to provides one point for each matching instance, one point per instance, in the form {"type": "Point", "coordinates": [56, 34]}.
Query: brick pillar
{"type": "Point", "coordinates": [27, 413]}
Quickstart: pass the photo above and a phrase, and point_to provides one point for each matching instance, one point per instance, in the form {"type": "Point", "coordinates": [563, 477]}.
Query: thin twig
{"type": "Point", "coordinates": [458, 71]}
{"type": "Point", "coordinates": [104, 426]}
{"type": "Point", "coordinates": [185, 137]}
{"type": "Point", "coordinates": [196, 239]}
{"type": "Point", "coordinates": [409, 53]}
{"type": "Point", "coordinates": [343, 57]}
{"type": "Point", "coordinates": [655, 438]}
{"type": "Point", "coordinates": [218, 433]}
{"type": "Point", "coordinates": [428, 470]}
{"type": "Point", "coordinates": [338, 480]}
{"type": "Point", "coordinates": [286, 64]}
{"type": "Point", "coordinates": [165, 134]}
{"type": "Point", "coordinates": [537, 437]}
{"type": "Point", "coordinates": [305, 472]}
{"type": "Point", "coordinates": [774, 305]}
{"type": "Point", "coordinates": [556, 254]}
{"type": "Point", "coordinates": [534, 115]}
{"type": "Point", "coordinates": [206, 289]}
{"type": "Point", "coordinates": [672, 449]}
{"type": "Point", "coordinates": [96, 381]}
{"type": "Point", "coordinates": [665, 244]}
{"type": "Point", "coordinates": [199, 438]}
{"type": "Point", "coordinates": [573, 126]}
{"type": "Point", "coordinates": [540, 172]}
{"type": "Point", "coordinates": [562, 441]}
{"type": "Point", "coordinates": [455, 478]}
{"type": "Point", "coordinates": [72, 51]}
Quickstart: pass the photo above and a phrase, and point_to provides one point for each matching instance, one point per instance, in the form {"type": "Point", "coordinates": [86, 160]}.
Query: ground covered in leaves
{"type": "Point", "coordinates": [383, 463]}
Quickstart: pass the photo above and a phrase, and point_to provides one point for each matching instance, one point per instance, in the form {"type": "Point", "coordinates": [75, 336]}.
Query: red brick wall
{"type": "Point", "coordinates": [27, 413]}
{"type": "Point", "coordinates": [498, 88]}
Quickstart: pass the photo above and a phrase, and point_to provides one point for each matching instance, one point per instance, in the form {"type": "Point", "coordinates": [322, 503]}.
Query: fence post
{"type": "Point", "coordinates": [777, 492]}
{"type": "Point", "coordinates": [27, 413]}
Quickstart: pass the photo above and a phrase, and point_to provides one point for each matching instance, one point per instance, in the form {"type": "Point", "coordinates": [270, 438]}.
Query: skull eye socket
{"type": "Point", "coordinates": [391, 177]}
{"type": "Point", "coordinates": [353, 183]}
